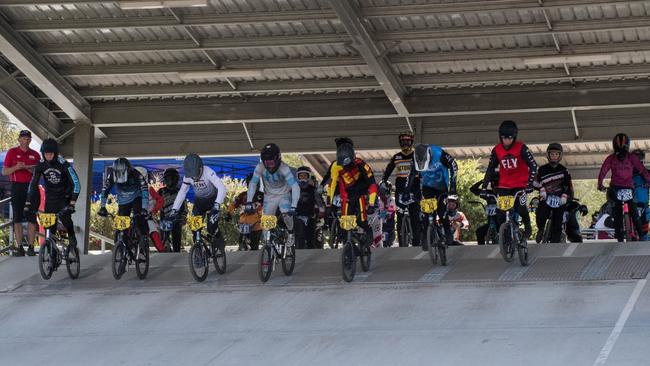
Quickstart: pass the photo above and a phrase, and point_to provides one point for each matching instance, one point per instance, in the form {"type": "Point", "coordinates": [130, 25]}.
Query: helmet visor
{"type": "Point", "coordinates": [345, 154]}
{"type": "Point", "coordinates": [120, 174]}
{"type": "Point", "coordinates": [422, 158]}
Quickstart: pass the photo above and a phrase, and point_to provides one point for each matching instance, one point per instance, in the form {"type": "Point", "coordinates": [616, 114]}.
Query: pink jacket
{"type": "Point", "coordinates": [622, 171]}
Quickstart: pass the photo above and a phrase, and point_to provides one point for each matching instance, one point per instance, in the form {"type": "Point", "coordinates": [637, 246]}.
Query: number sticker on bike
{"type": "Point", "coordinates": [429, 205]}
{"type": "Point", "coordinates": [505, 203]}
{"type": "Point", "coordinates": [336, 201]}
{"type": "Point", "coordinates": [245, 228]}
{"type": "Point", "coordinates": [348, 222]}
{"type": "Point", "coordinates": [624, 195]}
{"type": "Point", "coordinates": [47, 219]}
{"type": "Point", "coordinates": [554, 201]}
{"type": "Point", "coordinates": [491, 210]}
{"type": "Point", "coordinates": [269, 222]}
{"type": "Point", "coordinates": [122, 222]}
{"type": "Point", "coordinates": [195, 223]}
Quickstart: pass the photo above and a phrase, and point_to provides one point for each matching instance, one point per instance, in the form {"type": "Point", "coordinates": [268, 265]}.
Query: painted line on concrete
{"type": "Point", "coordinates": [495, 253]}
{"type": "Point", "coordinates": [620, 324]}
{"type": "Point", "coordinates": [569, 251]}
{"type": "Point", "coordinates": [420, 255]}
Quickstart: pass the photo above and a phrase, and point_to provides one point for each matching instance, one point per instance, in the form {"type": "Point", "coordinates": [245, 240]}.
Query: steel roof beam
{"type": "Point", "coordinates": [411, 81]}
{"type": "Point", "coordinates": [379, 66]}
{"type": "Point", "coordinates": [445, 34]}
{"type": "Point", "coordinates": [39, 72]}
{"type": "Point", "coordinates": [463, 103]}
{"type": "Point", "coordinates": [412, 10]}
{"type": "Point", "coordinates": [27, 109]}
{"type": "Point", "coordinates": [516, 54]}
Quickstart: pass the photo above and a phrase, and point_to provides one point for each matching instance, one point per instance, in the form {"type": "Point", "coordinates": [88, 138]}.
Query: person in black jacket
{"type": "Point", "coordinates": [309, 204]}
{"type": "Point", "coordinates": [554, 184]}
{"type": "Point", "coordinates": [171, 179]}
{"type": "Point", "coordinates": [61, 187]}
{"type": "Point", "coordinates": [401, 164]}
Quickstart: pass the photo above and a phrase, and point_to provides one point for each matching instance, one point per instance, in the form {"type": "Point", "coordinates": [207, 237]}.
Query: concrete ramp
{"type": "Point", "coordinates": [574, 304]}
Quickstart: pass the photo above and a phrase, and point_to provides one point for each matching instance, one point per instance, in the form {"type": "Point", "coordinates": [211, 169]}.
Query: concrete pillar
{"type": "Point", "coordinates": [83, 145]}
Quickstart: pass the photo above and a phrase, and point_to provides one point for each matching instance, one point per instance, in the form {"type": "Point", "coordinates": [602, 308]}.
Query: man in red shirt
{"type": "Point", "coordinates": [18, 165]}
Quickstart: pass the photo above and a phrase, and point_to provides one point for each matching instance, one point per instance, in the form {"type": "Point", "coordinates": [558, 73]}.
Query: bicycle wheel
{"type": "Point", "coordinates": [522, 251]}
{"type": "Point", "coordinates": [72, 262]}
{"type": "Point", "coordinates": [46, 260]}
{"type": "Point", "coordinates": [119, 257]}
{"type": "Point", "coordinates": [219, 255]}
{"type": "Point", "coordinates": [142, 260]}
{"type": "Point", "coordinates": [289, 262]}
{"type": "Point", "coordinates": [405, 232]}
{"type": "Point", "coordinates": [366, 256]}
{"type": "Point", "coordinates": [441, 247]}
{"type": "Point", "coordinates": [348, 262]}
{"type": "Point", "coordinates": [198, 261]}
{"type": "Point", "coordinates": [505, 242]}
{"type": "Point", "coordinates": [266, 262]}
{"type": "Point", "coordinates": [547, 231]}
{"type": "Point", "coordinates": [431, 239]}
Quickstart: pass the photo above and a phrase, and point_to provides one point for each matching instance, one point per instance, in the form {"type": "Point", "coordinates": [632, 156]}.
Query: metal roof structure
{"type": "Point", "coordinates": [223, 77]}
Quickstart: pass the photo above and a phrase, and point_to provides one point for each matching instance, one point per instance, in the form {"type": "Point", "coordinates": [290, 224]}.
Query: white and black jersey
{"type": "Point", "coordinates": [555, 180]}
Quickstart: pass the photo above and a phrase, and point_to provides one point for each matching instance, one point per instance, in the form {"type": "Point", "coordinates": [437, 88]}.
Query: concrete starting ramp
{"type": "Point", "coordinates": [578, 304]}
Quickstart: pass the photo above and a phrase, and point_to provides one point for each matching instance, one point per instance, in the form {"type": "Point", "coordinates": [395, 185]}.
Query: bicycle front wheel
{"type": "Point", "coordinates": [119, 260]}
{"type": "Point", "coordinates": [366, 256]}
{"type": "Point", "coordinates": [348, 262]}
{"type": "Point", "coordinates": [334, 235]}
{"type": "Point", "coordinates": [505, 242]}
{"type": "Point", "coordinates": [198, 261]}
{"type": "Point", "coordinates": [142, 261]}
{"type": "Point", "coordinates": [266, 263]}
{"type": "Point", "coordinates": [73, 263]}
{"type": "Point", "coordinates": [406, 232]}
{"type": "Point", "coordinates": [522, 251]}
{"type": "Point", "coordinates": [431, 240]}
{"type": "Point", "coordinates": [46, 260]}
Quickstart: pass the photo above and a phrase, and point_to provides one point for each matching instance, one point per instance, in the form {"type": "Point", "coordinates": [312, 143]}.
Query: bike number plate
{"type": "Point", "coordinates": [348, 222]}
{"type": "Point", "coordinates": [122, 222]}
{"type": "Point", "coordinates": [336, 201]}
{"type": "Point", "coordinates": [505, 203]}
{"type": "Point", "coordinates": [553, 201]}
{"type": "Point", "coordinates": [624, 195]}
{"type": "Point", "coordinates": [166, 225]}
{"type": "Point", "coordinates": [47, 219]}
{"type": "Point", "coordinates": [269, 222]}
{"type": "Point", "coordinates": [195, 223]}
{"type": "Point", "coordinates": [245, 228]}
{"type": "Point", "coordinates": [429, 205]}
{"type": "Point", "coordinates": [491, 210]}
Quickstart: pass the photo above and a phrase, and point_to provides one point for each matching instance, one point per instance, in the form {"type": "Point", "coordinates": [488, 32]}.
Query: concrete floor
{"type": "Point", "coordinates": [317, 320]}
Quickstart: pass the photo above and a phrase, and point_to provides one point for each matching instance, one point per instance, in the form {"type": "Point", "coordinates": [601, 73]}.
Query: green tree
{"type": "Point", "coordinates": [468, 174]}
{"type": "Point", "coordinates": [8, 133]}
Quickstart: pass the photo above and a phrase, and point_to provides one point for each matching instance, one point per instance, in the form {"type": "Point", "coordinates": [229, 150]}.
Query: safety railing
{"type": "Point", "coordinates": [103, 240]}
{"type": "Point", "coordinates": [8, 224]}
{"type": "Point", "coordinates": [593, 234]}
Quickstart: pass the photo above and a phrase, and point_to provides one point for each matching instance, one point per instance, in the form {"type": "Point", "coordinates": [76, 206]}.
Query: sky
{"type": "Point", "coordinates": [36, 142]}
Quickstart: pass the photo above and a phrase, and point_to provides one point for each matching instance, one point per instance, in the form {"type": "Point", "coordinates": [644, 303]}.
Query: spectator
{"type": "Point", "coordinates": [19, 165]}
{"type": "Point", "coordinates": [456, 218]}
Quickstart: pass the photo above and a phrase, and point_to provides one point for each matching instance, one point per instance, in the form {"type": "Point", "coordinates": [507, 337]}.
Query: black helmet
{"type": "Point", "coordinates": [121, 168]}
{"type": "Point", "coordinates": [344, 151]}
{"type": "Point", "coordinates": [555, 146]}
{"type": "Point", "coordinates": [304, 176]}
{"type": "Point", "coordinates": [422, 157]}
{"type": "Point", "coordinates": [171, 177]}
{"type": "Point", "coordinates": [193, 166]}
{"type": "Point", "coordinates": [621, 144]}
{"type": "Point", "coordinates": [50, 146]}
{"type": "Point", "coordinates": [508, 129]}
{"type": "Point", "coordinates": [248, 179]}
{"type": "Point", "coordinates": [639, 154]}
{"type": "Point", "coordinates": [406, 139]}
{"type": "Point", "coordinates": [271, 157]}
{"type": "Point", "coordinates": [386, 188]}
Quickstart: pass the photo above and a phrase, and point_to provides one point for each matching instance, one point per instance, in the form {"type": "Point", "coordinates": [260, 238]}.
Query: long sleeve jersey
{"type": "Point", "coordinates": [208, 186]}
{"type": "Point", "coordinates": [60, 180]}
{"type": "Point", "coordinates": [622, 171]}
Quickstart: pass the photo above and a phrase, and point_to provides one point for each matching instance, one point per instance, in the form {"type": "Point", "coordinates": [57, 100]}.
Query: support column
{"type": "Point", "coordinates": [83, 145]}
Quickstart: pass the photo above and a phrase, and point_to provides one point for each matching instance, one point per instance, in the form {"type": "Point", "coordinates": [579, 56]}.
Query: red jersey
{"type": "Point", "coordinates": [513, 170]}
{"type": "Point", "coordinates": [29, 158]}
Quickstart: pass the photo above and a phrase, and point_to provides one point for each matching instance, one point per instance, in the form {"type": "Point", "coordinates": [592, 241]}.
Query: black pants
{"type": "Point", "coordinates": [427, 193]}
{"type": "Point", "coordinates": [305, 237]}
{"type": "Point", "coordinates": [55, 205]}
{"type": "Point", "coordinates": [618, 215]}
{"type": "Point", "coordinates": [414, 213]}
{"type": "Point", "coordinates": [573, 228]}
{"type": "Point", "coordinates": [521, 206]}
{"type": "Point", "coordinates": [140, 220]}
{"type": "Point", "coordinates": [543, 213]}
{"type": "Point", "coordinates": [203, 206]}
{"type": "Point", "coordinates": [18, 199]}
{"type": "Point", "coordinates": [176, 235]}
